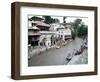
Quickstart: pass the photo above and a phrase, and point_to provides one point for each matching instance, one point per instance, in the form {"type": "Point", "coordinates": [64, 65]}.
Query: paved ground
{"type": "Point", "coordinates": [56, 56]}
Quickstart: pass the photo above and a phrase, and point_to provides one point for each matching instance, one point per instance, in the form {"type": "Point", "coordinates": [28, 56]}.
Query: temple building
{"type": "Point", "coordinates": [39, 22]}
{"type": "Point", "coordinates": [43, 29]}
{"type": "Point", "coordinates": [33, 35]}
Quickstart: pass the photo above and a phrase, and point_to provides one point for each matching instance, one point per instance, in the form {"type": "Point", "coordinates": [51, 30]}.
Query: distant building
{"type": "Point", "coordinates": [62, 32]}
{"type": "Point", "coordinates": [69, 25]}
{"type": "Point", "coordinates": [54, 26]}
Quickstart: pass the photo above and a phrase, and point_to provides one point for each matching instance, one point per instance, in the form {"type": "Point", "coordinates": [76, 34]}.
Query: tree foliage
{"type": "Point", "coordinates": [80, 29]}
{"type": "Point", "coordinates": [50, 20]}
{"type": "Point", "coordinates": [76, 23]}
{"type": "Point", "coordinates": [64, 21]}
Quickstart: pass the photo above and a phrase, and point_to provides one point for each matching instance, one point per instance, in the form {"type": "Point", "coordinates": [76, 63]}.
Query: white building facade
{"type": "Point", "coordinates": [62, 32]}
{"type": "Point", "coordinates": [46, 38]}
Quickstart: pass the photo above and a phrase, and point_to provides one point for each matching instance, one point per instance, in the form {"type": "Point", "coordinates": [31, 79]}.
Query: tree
{"type": "Point", "coordinates": [82, 30]}
{"type": "Point", "coordinates": [50, 20]}
{"type": "Point", "coordinates": [64, 21]}
{"type": "Point", "coordinates": [57, 20]}
{"type": "Point", "coordinates": [76, 23]}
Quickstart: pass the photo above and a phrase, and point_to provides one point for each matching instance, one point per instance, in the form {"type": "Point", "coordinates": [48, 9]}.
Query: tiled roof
{"type": "Point", "coordinates": [41, 23]}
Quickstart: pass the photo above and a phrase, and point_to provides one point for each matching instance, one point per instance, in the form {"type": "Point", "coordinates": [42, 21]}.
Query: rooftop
{"type": "Point", "coordinates": [40, 23]}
